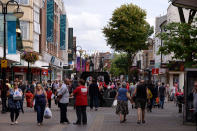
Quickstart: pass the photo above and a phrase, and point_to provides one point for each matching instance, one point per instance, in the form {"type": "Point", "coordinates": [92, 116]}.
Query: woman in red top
{"type": "Point", "coordinates": [81, 93]}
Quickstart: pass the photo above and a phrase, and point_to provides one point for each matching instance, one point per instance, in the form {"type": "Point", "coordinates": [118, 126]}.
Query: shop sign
{"type": "Point", "coordinates": [4, 63]}
{"type": "Point", "coordinates": [17, 69]}
{"type": "Point", "coordinates": [45, 72]}
{"type": "Point", "coordinates": [155, 71]}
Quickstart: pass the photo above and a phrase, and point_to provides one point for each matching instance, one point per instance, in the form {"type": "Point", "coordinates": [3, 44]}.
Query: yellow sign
{"type": "Point", "coordinates": [4, 63]}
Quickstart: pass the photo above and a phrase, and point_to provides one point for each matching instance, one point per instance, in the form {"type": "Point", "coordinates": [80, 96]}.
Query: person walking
{"type": "Point", "coordinates": [131, 90]}
{"type": "Point", "coordinates": [63, 99]}
{"type": "Point", "coordinates": [122, 104]}
{"type": "Point", "coordinates": [49, 94]}
{"type": "Point", "coordinates": [40, 97]}
{"type": "Point", "coordinates": [180, 99]}
{"type": "Point", "coordinates": [155, 94]}
{"type": "Point", "coordinates": [29, 97]}
{"type": "Point", "coordinates": [14, 98]}
{"type": "Point", "coordinates": [32, 87]}
{"type": "Point", "coordinates": [81, 93]}
{"type": "Point", "coordinates": [23, 87]}
{"type": "Point", "coordinates": [150, 97]}
{"type": "Point", "coordinates": [162, 91]}
{"type": "Point", "coordinates": [141, 93]}
{"type": "Point", "coordinates": [94, 94]}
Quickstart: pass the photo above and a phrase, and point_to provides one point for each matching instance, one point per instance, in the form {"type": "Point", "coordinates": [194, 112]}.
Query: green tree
{"type": "Point", "coordinates": [181, 41]}
{"type": "Point", "coordinates": [119, 65]}
{"type": "Point", "coordinates": [127, 31]}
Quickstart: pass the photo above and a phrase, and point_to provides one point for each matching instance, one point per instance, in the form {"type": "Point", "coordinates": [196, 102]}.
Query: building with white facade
{"type": "Point", "coordinates": [170, 76]}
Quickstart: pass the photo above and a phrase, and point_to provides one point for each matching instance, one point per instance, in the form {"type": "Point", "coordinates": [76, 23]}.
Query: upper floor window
{"type": "Point", "coordinates": [23, 2]}
{"type": "Point", "coordinates": [25, 29]}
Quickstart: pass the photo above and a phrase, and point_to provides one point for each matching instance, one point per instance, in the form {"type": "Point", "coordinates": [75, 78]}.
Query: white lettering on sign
{"type": "Point", "coordinates": [83, 90]}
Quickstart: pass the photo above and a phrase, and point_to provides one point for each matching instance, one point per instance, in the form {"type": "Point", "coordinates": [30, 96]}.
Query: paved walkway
{"type": "Point", "coordinates": [102, 120]}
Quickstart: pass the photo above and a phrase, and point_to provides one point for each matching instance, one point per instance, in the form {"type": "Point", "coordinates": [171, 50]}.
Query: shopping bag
{"type": "Point", "coordinates": [47, 113]}
{"type": "Point", "coordinates": [52, 96]}
{"type": "Point", "coordinates": [115, 103]}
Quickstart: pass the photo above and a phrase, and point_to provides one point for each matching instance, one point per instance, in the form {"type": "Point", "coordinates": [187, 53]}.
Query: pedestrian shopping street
{"type": "Point", "coordinates": [104, 119]}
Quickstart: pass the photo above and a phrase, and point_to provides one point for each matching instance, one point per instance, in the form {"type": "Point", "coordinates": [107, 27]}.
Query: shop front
{"type": "Point", "coordinates": [190, 78]}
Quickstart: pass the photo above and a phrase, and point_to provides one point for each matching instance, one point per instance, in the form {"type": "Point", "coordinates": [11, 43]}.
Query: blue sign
{"type": "Point", "coordinates": [62, 32]}
{"type": "Point", "coordinates": [50, 20]}
{"type": "Point", "coordinates": [11, 37]}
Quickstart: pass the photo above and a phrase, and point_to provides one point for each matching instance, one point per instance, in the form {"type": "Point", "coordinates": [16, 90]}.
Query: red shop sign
{"type": "Point", "coordinates": [45, 72]}
{"type": "Point", "coordinates": [155, 71]}
{"type": "Point", "coordinates": [18, 69]}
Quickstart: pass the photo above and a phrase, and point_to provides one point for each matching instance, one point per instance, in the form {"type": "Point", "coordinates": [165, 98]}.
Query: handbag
{"type": "Point", "coordinates": [17, 95]}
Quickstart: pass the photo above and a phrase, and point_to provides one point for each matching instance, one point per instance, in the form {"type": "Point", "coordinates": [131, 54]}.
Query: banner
{"type": "Point", "coordinates": [62, 32]}
{"type": "Point", "coordinates": [11, 37]}
{"type": "Point", "coordinates": [50, 20]}
{"type": "Point", "coordinates": [83, 65]}
{"type": "Point", "coordinates": [87, 66]}
{"type": "Point", "coordinates": [78, 63]}
{"type": "Point", "coordinates": [70, 38]}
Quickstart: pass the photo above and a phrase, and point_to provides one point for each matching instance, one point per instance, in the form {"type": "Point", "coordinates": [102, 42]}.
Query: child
{"type": "Point", "coordinates": [49, 94]}
{"type": "Point", "coordinates": [29, 97]}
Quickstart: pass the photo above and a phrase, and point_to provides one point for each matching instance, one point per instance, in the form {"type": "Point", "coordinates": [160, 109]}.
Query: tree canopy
{"type": "Point", "coordinates": [127, 29]}
{"type": "Point", "coordinates": [119, 65]}
{"type": "Point", "coordinates": [181, 41]}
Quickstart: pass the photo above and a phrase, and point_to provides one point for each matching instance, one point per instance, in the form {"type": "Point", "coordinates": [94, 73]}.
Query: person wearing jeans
{"type": "Point", "coordinates": [63, 98]}
{"type": "Point", "coordinates": [40, 103]}
{"type": "Point", "coordinates": [162, 91]}
{"type": "Point", "coordinates": [94, 94]}
{"type": "Point", "coordinates": [161, 102]}
{"type": "Point", "coordinates": [14, 104]}
{"type": "Point", "coordinates": [81, 102]}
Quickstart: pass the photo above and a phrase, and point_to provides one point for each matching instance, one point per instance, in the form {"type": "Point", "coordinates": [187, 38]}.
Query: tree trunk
{"type": "Point", "coordinates": [130, 62]}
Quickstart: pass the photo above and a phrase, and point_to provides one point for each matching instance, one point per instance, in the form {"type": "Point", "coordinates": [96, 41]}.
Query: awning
{"type": "Point", "coordinates": [188, 4]}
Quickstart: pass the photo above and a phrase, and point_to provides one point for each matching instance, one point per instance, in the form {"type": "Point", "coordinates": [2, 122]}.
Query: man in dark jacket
{"type": "Point", "coordinates": [162, 91]}
{"type": "Point", "coordinates": [155, 93]}
{"type": "Point", "coordinates": [94, 94]}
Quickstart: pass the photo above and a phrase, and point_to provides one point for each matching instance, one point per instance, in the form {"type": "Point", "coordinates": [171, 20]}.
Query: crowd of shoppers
{"type": "Point", "coordinates": [141, 95]}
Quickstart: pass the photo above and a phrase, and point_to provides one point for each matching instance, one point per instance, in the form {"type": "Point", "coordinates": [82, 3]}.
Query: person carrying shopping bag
{"type": "Point", "coordinates": [14, 98]}
{"type": "Point", "coordinates": [122, 102]}
{"type": "Point", "coordinates": [40, 97]}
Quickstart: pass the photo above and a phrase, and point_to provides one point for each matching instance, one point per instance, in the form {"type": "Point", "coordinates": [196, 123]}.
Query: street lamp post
{"type": "Point", "coordinates": [18, 13]}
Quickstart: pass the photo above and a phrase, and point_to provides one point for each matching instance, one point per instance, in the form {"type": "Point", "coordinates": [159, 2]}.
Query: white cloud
{"type": "Point", "coordinates": [88, 17]}
{"type": "Point", "coordinates": [85, 20]}
{"type": "Point", "coordinates": [151, 21]}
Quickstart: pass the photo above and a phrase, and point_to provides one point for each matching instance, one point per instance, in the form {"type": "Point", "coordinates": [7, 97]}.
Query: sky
{"type": "Point", "coordinates": [88, 17]}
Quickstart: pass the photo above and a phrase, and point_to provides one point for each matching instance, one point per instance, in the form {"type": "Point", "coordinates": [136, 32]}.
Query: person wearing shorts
{"type": "Point", "coordinates": [141, 93]}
